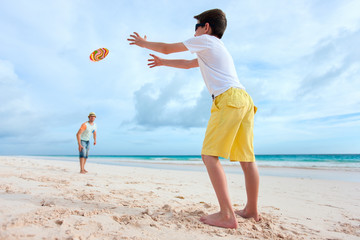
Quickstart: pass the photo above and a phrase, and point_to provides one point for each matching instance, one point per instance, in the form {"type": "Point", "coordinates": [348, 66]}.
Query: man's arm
{"type": "Point", "coordinates": [160, 47]}
{"type": "Point", "coordinates": [176, 63]}
{"type": "Point", "coordinates": [94, 134]}
{"type": "Point", "coordinates": [78, 139]}
{"type": "Point", "coordinates": [78, 134]}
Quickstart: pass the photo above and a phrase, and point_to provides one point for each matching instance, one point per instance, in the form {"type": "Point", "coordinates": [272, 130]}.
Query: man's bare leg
{"type": "Point", "coordinates": [82, 165]}
{"type": "Point", "coordinates": [251, 175]}
{"type": "Point", "coordinates": [226, 217]}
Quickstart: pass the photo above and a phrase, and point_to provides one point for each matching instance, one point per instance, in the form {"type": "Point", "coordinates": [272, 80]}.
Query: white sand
{"type": "Point", "coordinates": [47, 199]}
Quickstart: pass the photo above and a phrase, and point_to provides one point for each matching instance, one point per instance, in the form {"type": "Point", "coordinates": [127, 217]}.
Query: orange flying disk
{"type": "Point", "coordinates": [99, 54]}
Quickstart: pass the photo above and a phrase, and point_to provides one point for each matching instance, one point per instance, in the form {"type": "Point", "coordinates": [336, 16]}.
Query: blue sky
{"type": "Point", "coordinates": [299, 60]}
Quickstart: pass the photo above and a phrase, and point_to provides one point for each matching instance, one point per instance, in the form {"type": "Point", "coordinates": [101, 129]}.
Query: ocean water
{"type": "Point", "coordinates": [343, 167]}
{"type": "Point", "coordinates": [329, 161]}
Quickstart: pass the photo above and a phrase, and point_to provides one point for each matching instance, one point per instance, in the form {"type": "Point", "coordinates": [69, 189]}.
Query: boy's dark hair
{"type": "Point", "coordinates": [216, 19]}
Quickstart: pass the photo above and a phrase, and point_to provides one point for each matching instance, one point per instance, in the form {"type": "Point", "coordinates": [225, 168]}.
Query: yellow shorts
{"type": "Point", "coordinates": [229, 133]}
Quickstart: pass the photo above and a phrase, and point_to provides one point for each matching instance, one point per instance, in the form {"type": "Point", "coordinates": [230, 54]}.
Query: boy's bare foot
{"type": "Point", "coordinates": [220, 220]}
{"type": "Point", "coordinates": [245, 214]}
{"type": "Point", "coordinates": [83, 172]}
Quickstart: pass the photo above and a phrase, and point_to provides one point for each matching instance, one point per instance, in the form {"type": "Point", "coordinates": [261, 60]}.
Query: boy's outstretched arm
{"type": "Point", "coordinates": [160, 47]}
{"type": "Point", "coordinates": [177, 63]}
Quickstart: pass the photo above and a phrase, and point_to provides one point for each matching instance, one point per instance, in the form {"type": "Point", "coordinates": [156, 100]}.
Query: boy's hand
{"type": "Point", "coordinates": [137, 40]}
{"type": "Point", "coordinates": [156, 61]}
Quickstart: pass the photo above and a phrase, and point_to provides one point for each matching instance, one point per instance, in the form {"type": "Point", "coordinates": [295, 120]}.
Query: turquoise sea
{"type": "Point", "coordinates": [301, 161]}
{"type": "Point", "coordinates": [344, 167]}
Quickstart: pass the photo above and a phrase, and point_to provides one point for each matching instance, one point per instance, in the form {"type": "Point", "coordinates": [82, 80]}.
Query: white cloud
{"type": "Point", "coordinates": [16, 104]}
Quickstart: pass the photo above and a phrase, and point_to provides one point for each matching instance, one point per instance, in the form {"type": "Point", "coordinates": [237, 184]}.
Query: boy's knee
{"type": "Point", "coordinates": [209, 159]}
{"type": "Point", "coordinates": [245, 165]}
{"type": "Point", "coordinates": [204, 158]}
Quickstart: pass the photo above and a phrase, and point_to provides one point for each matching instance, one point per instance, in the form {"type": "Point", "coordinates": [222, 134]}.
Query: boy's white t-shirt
{"type": "Point", "coordinates": [215, 62]}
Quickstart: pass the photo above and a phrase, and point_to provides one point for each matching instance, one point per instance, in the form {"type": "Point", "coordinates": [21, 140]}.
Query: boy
{"type": "Point", "coordinates": [83, 139]}
{"type": "Point", "coordinates": [229, 133]}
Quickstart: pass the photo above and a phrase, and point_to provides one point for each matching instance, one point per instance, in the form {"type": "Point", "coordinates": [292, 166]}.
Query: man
{"type": "Point", "coordinates": [83, 139]}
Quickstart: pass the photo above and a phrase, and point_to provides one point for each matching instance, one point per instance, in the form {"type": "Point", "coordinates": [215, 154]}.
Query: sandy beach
{"type": "Point", "coordinates": [48, 199]}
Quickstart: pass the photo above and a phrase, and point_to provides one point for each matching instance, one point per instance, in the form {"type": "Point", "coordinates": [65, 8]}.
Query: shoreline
{"type": "Point", "coordinates": [195, 160]}
{"type": "Point", "coordinates": [324, 173]}
{"type": "Point", "coordinates": [50, 199]}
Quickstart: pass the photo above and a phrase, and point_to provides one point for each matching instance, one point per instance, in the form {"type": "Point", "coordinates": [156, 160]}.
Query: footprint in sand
{"type": "Point", "coordinates": [47, 203]}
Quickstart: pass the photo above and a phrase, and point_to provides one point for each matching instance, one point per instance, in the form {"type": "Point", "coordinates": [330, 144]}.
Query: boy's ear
{"type": "Point", "coordinates": [207, 28]}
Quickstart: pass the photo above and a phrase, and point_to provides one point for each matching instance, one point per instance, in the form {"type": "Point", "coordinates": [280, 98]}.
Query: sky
{"type": "Point", "coordinates": [299, 60]}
